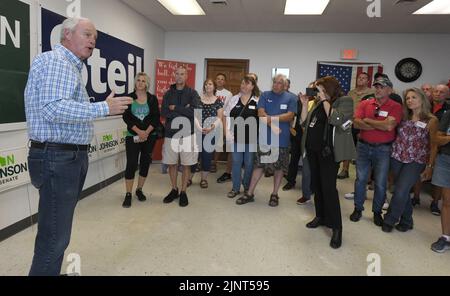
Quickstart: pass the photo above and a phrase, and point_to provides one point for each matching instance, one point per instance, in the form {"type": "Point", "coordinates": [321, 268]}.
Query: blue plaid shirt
{"type": "Point", "coordinates": [57, 105]}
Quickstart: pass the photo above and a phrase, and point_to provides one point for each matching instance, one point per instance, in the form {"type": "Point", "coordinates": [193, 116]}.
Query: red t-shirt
{"type": "Point", "coordinates": [367, 109]}
{"type": "Point", "coordinates": [437, 107]}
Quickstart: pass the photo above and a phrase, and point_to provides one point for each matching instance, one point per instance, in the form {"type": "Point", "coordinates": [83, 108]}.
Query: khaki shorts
{"type": "Point", "coordinates": [183, 149]}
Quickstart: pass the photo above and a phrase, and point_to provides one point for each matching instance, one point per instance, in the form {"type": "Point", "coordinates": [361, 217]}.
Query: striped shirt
{"type": "Point", "coordinates": [57, 105]}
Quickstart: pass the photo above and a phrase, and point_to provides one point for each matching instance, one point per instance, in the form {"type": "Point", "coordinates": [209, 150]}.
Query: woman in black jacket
{"type": "Point", "coordinates": [142, 118]}
{"type": "Point", "coordinates": [318, 142]}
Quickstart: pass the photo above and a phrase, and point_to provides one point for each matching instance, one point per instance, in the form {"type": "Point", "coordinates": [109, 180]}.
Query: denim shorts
{"type": "Point", "coordinates": [441, 172]}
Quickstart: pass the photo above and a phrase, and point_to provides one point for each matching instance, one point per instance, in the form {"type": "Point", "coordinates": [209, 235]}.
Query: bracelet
{"type": "Point", "coordinates": [430, 166]}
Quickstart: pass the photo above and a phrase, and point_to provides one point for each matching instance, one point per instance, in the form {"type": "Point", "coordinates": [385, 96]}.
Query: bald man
{"type": "Point", "coordinates": [440, 95]}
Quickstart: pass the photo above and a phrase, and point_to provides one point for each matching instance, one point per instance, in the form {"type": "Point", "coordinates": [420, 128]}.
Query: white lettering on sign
{"type": "Point", "coordinates": [15, 36]}
{"type": "Point", "coordinates": [117, 72]}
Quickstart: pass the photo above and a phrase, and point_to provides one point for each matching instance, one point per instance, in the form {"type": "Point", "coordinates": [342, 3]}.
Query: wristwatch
{"type": "Point", "coordinates": [430, 166]}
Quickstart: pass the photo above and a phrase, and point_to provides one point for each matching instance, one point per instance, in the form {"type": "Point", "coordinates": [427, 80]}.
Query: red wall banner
{"type": "Point", "coordinates": [164, 78]}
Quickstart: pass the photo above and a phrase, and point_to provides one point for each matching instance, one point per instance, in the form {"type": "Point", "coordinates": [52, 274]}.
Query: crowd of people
{"type": "Point", "coordinates": [396, 142]}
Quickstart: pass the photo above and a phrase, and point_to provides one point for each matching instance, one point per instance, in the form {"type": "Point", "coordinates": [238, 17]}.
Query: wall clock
{"type": "Point", "coordinates": [408, 70]}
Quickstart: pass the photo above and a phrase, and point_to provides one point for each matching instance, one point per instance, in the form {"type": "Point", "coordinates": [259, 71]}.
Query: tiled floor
{"type": "Point", "coordinates": [214, 236]}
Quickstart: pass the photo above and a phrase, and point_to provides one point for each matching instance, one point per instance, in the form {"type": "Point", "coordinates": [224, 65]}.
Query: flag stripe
{"type": "Point", "coordinates": [380, 69]}
{"type": "Point", "coordinates": [358, 71]}
{"type": "Point", "coordinates": [370, 73]}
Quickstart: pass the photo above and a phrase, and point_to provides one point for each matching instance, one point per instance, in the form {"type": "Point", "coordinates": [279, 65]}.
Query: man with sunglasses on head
{"type": "Point", "coordinates": [377, 119]}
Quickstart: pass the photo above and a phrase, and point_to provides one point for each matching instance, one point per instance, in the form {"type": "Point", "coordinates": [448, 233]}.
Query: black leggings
{"type": "Point", "coordinates": [132, 150]}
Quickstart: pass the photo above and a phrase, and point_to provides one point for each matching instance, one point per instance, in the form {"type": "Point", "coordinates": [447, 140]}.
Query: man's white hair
{"type": "Point", "coordinates": [280, 76]}
{"type": "Point", "coordinates": [444, 87]}
{"type": "Point", "coordinates": [70, 24]}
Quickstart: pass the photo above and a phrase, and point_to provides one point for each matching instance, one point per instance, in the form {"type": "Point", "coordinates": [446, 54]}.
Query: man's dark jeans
{"type": "Point", "coordinates": [59, 176]}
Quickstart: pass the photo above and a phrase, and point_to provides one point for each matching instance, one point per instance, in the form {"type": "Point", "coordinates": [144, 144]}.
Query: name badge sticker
{"type": "Point", "coordinates": [252, 107]}
{"type": "Point", "coordinates": [421, 124]}
{"type": "Point", "coordinates": [283, 107]}
{"type": "Point", "coordinates": [313, 122]}
{"type": "Point", "coordinates": [347, 124]}
{"type": "Point", "coordinates": [383, 113]}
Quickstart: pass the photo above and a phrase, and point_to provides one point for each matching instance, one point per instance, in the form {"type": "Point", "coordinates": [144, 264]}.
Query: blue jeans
{"type": "Point", "coordinates": [376, 157]}
{"type": "Point", "coordinates": [59, 176]}
{"type": "Point", "coordinates": [245, 157]}
{"type": "Point", "coordinates": [206, 156]}
{"type": "Point", "coordinates": [400, 207]}
{"type": "Point", "coordinates": [306, 179]}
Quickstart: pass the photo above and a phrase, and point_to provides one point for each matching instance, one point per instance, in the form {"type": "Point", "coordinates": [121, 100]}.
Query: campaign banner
{"type": "Point", "coordinates": [93, 150]}
{"type": "Point", "coordinates": [13, 168]}
{"type": "Point", "coordinates": [122, 136]}
{"type": "Point", "coordinates": [113, 64]}
{"type": "Point", "coordinates": [14, 59]}
{"type": "Point", "coordinates": [108, 143]}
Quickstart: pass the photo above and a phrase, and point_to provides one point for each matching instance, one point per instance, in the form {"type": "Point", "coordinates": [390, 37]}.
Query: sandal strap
{"type": "Point", "coordinates": [245, 198]}
{"type": "Point", "coordinates": [273, 201]}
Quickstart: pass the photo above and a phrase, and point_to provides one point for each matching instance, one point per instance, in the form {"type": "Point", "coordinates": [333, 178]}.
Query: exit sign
{"type": "Point", "coordinates": [349, 54]}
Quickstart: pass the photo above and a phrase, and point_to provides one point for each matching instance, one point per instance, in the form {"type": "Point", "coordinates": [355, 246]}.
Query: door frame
{"type": "Point", "coordinates": [208, 60]}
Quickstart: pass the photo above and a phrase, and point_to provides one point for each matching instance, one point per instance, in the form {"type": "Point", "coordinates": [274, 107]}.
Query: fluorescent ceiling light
{"type": "Point", "coordinates": [435, 7]}
{"type": "Point", "coordinates": [182, 7]}
{"type": "Point", "coordinates": [312, 7]}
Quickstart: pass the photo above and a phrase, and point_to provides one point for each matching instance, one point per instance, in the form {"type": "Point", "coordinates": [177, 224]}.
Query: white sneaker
{"type": "Point", "coordinates": [350, 195]}
{"type": "Point", "coordinates": [386, 206]}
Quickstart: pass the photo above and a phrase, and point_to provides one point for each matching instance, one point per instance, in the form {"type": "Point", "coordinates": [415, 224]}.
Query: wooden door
{"type": "Point", "coordinates": [234, 69]}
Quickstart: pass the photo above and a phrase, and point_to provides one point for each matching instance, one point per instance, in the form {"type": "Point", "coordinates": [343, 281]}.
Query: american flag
{"type": "Point", "coordinates": [346, 73]}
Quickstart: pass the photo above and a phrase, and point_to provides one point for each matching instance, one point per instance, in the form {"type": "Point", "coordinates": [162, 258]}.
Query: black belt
{"type": "Point", "coordinates": [58, 146]}
{"type": "Point", "coordinates": [375, 144]}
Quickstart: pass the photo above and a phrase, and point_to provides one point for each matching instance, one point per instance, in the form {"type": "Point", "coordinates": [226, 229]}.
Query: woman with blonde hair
{"type": "Point", "coordinates": [142, 118]}
{"type": "Point", "coordinates": [412, 158]}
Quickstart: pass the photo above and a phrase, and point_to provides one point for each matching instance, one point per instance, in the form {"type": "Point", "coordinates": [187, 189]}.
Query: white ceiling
{"type": "Point", "coordinates": [341, 16]}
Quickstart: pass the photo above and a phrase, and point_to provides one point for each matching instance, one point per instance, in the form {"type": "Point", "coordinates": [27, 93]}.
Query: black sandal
{"type": "Point", "coordinates": [233, 194]}
{"type": "Point", "coordinates": [273, 201]}
{"type": "Point", "coordinates": [245, 199]}
{"type": "Point", "coordinates": [204, 184]}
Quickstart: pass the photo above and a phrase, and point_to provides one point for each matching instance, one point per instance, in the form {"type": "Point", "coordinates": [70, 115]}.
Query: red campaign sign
{"type": "Point", "coordinates": [164, 78]}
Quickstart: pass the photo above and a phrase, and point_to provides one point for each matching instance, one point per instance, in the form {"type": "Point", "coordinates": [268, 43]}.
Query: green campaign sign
{"type": "Point", "coordinates": [14, 59]}
{"type": "Point", "coordinates": [13, 168]}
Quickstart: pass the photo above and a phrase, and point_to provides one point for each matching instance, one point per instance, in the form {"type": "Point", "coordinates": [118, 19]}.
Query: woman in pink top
{"type": "Point", "coordinates": [412, 158]}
